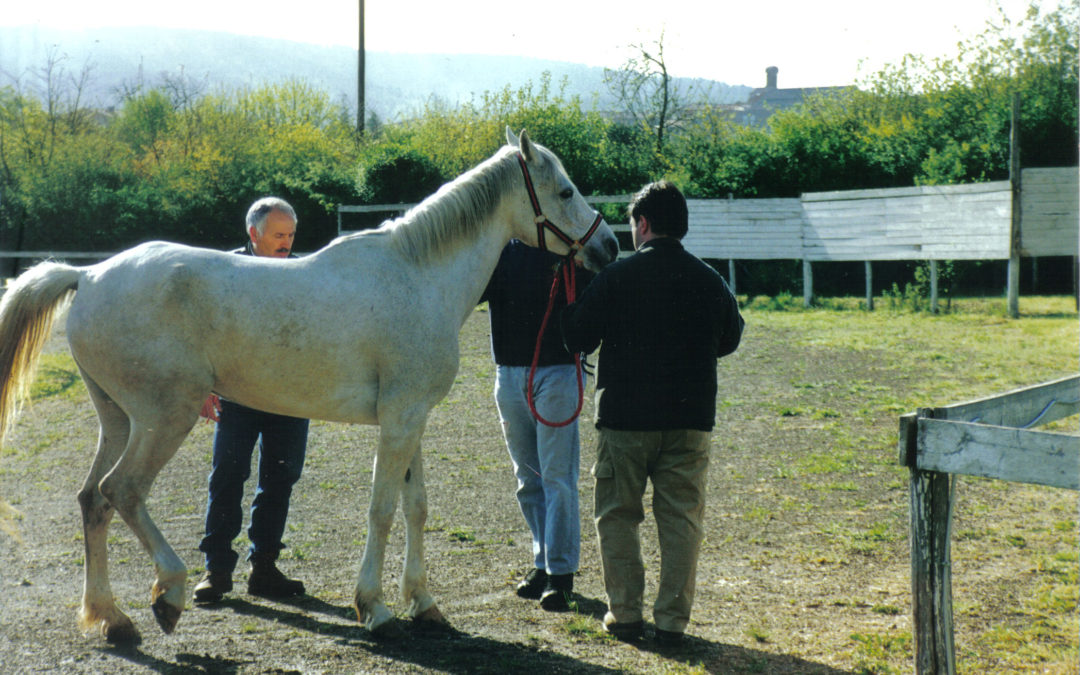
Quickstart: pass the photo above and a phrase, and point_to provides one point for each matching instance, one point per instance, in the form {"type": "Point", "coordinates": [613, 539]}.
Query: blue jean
{"type": "Point", "coordinates": [282, 445]}
{"type": "Point", "coordinates": [545, 460]}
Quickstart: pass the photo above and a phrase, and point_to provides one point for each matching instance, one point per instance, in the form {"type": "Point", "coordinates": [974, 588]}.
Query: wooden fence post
{"type": "Point", "coordinates": [1013, 271]}
{"type": "Point", "coordinates": [869, 286]}
{"type": "Point", "coordinates": [931, 500]}
{"type": "Point", "coordinates": [731, 275]}
{"type": "Point", "coordinates": [807, 283]}
{"type": "Point", "coordinates": [933, 286]}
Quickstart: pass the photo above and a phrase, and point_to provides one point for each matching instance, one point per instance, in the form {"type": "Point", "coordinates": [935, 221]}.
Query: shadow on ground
{"type": "Point", "coordinates": [449, 650]}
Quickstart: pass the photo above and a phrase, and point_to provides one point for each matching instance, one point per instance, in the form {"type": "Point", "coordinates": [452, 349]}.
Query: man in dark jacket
{"type": "Point", "coordinates": [663, 318]}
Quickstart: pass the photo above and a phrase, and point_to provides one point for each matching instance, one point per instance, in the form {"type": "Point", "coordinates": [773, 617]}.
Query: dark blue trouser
{"type": "Point", "coordinates": [282, 445]}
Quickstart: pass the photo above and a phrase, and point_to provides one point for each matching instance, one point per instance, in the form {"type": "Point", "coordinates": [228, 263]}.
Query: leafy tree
{"type": "Point", "coordinates": [648, 93]}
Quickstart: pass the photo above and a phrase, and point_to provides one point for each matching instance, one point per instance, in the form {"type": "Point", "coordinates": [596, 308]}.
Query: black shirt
{"type": "Point", "coordinates": [664, 317]}
{"type": "Point", "coordinates": [517, 297]}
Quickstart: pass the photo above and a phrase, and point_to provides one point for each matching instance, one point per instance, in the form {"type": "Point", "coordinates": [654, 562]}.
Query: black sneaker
{"type": "Point", "coordinates": [532, 586]}
{"type": "Point", "coordinates": [267, 581]}
{"type": "Point", "coordinates": [626, 631]}
{"type": "Point", "coordinates": [212, 587]}
{"type": "Point", "coordinates": [668, 638]}
{"type": "Point", "coordinates": [556, 596]}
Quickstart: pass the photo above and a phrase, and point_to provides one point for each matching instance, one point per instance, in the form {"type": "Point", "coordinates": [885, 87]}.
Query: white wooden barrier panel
{"type": "Point", "coordinates": [1050, 203]}
{"type": "Point", "coordinates": [745, 229]}
{"type": "Point", "coordinates": [945, 222]}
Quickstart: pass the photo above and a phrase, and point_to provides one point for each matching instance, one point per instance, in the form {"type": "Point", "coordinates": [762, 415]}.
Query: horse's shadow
{"type": "Point", "coordinates": [448, 650]}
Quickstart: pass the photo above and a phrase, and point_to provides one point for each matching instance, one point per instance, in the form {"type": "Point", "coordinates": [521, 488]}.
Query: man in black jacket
{"type": "Point", "coordinates": [663, 317]}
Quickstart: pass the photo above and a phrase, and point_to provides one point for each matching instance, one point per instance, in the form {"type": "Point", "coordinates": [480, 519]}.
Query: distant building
{"type": "Point", "coordinates": [764, 101]}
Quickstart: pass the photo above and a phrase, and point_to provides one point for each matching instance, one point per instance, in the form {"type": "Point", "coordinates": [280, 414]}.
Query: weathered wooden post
{"type": "Point", "coordinates": [869, 286]}
{"type": "Point", "coordinates": [807, 283]}
{"type": "Point", "coordinates": [933, 286]}
{"type": "Point", "coordinates": [931, 500]}
{"type": "Point", "coordinates": [1017, 211]}
{"type": "Point", "coordinates": [731, 275]}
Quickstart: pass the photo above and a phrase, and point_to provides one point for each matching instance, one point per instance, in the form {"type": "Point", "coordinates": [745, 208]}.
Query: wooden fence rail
{"type": "Point", "coordinates": [931, 223]}
{"type": "Point", "coordinates": [992, 438]}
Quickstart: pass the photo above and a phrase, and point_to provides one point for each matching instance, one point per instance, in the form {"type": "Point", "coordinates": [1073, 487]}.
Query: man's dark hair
{"type": "Point", "coordinates": [664, 206]}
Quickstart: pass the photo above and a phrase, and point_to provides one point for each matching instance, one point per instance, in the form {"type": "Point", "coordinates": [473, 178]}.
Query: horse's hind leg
{"type": "Point", "coordinates": [126, 486]}
{"type": "Point", "coordinates": [99, 610]}
{"type": "Point", "coordinates": [414, 580]}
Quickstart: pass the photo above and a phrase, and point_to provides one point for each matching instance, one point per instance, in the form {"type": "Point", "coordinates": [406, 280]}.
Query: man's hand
{"type": "Point", "coordinates": [211, 407]}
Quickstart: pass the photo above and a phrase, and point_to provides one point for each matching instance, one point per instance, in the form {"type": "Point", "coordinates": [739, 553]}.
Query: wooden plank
{"type": "Point", "coordinates": [59, 255]}
{"type": "Point", "coordinates": [922, 190]}
{"type": "Point", "coordinates": [1004, 453]}
{"type": "Point", "coordinates": [374, 208]}
{"type": "Point", "coordinates": [1054, 400]}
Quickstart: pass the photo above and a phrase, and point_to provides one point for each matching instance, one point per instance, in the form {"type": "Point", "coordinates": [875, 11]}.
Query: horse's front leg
{"type": "Point", "coordinates": [397, 445]}
{"type": "Point", "coordinates": [414, 580]}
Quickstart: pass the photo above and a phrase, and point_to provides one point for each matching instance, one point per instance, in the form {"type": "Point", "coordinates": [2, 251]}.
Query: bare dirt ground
{"type": "Point", "coordinates": [804, 567]}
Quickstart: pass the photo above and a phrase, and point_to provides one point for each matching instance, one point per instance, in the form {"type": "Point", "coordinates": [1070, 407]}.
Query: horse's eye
{"type": "Point", "coordinates": [567, 193]}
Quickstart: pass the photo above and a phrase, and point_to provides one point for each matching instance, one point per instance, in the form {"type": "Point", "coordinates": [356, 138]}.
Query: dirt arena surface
{"type": "Point", "coordinates": [804, 568]}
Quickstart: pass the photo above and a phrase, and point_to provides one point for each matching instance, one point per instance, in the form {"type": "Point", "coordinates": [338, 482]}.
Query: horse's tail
{"type": "Point", "coordinates": [26, 317]}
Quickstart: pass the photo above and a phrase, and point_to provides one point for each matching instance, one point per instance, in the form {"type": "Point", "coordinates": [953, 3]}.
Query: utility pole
{"type": "Point", "coordinates": [360, 76]}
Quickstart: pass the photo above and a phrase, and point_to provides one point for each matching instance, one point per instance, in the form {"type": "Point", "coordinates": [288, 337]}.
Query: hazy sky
{"type": "Point", "coordinates": [812, 43]}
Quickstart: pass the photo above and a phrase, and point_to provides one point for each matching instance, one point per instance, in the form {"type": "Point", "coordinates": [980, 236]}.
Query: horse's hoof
{"type": "Point", "coordinates": [167, 615]}
{"type": "Point", "coordinates": [388, 630]}
{"type": "Point", "coordinates": [431, 618]}
{"type": "Point", "coordinates": [123, 633]}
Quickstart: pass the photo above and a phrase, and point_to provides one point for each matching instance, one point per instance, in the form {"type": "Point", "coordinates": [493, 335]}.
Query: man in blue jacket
{"type": "Point", "coordinates": [661, 318]}
{"type": "Point", "coordinates": [545, 458]}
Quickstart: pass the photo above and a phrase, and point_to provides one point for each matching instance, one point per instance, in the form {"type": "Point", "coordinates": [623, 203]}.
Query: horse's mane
{"type": "Point", "coordinates": [454, 213]}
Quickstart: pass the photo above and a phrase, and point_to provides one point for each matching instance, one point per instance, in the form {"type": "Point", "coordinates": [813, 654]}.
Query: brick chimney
{"type": "Point", "coordinates": [770, 77]}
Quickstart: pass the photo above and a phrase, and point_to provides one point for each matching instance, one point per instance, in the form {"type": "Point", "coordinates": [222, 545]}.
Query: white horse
{"type": "Point", "coordinates": [363, 331]}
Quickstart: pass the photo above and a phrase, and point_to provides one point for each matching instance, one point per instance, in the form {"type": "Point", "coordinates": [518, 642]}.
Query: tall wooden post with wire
{"type": "Point", "coordinates": [1014, 229]}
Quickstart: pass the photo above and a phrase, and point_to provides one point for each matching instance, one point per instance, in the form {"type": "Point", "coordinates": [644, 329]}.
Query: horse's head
{"type": "Point", "coordinates": [561, 220]}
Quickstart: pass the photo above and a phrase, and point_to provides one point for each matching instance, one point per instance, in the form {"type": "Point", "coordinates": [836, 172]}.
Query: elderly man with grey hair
{"type": "Point", "coordinates": [282, 441]}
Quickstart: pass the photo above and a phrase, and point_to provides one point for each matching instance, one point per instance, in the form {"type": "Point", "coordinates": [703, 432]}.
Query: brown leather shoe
{"type": "Point", "coordinates": [212, 587]}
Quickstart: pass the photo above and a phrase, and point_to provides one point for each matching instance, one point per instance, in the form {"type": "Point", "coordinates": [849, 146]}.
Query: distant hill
{"type": "Point", "coordinates": [397, 84]}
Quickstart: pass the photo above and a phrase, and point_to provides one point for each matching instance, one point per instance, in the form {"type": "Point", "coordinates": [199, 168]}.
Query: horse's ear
{"type": "Point", "coordinates": [511, 139]}
{"type": "Point", "coordinates": [526, 147]}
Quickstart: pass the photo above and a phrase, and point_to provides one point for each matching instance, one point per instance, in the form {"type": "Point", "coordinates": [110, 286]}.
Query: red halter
{"type": "Point", "coordinates": [542, 223]}
{"type": "Point", "coordinates": [566, 271]}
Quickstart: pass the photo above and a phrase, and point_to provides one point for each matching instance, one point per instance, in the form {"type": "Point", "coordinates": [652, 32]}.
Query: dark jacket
{"type": "Point", "coordinates": [664, 317]}
{"type": "Point", "coordinates": [517, 297]}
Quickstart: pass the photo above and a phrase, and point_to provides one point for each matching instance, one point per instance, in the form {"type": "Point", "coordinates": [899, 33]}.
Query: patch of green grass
{"type": "Point", "coordinates": [757, 633]}
{"type": "Point", "coordinates": [874, 653]}
{"type": "Point", "coordinates": [57, 375]}
{"type": "Point", "coordinates": [585, 627]}
{"type": "Point", "coordinates": [887, 610]}
{"type": "Point", "coordinates": [462, 535]}
{"type": "Point", "coordinates": [832, 461]}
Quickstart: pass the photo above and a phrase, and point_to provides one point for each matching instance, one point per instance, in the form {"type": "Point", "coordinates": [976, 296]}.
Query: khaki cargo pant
{"type": "Point", "coordinates": [677, 463]}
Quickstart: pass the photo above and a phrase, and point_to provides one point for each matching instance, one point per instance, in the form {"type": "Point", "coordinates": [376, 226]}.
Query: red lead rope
{"type": "Point", "coordinates": [566, 267]}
